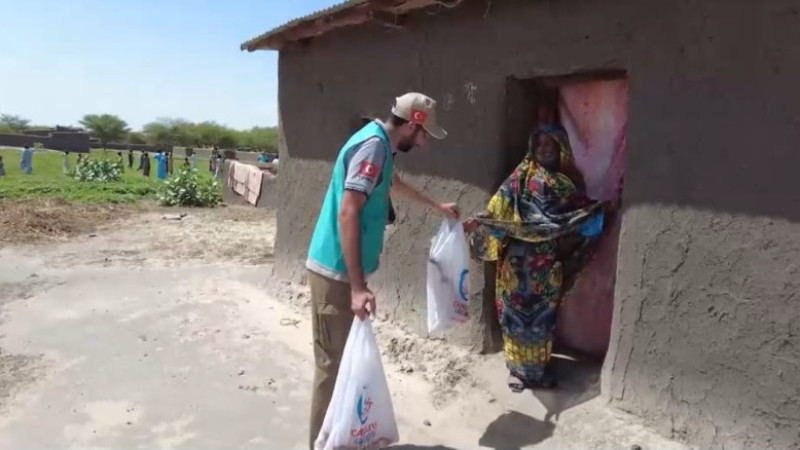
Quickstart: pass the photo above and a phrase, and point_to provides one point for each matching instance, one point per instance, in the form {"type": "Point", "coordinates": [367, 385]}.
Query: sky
{"type": "Point", "coordinates": [142, 59]}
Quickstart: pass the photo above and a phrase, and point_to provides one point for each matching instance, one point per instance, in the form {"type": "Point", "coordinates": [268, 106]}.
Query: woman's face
{"type": "Point", "coordinates": [547, 153]}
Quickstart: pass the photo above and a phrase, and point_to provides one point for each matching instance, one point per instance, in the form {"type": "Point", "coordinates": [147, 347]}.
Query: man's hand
{"type": "Point", "coordinates": [362, 302]}
{"type": "Point", "coordinates": [449, 210]}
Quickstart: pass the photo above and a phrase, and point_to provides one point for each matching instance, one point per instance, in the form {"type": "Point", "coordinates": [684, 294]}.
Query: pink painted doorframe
{"type": "Point", "coordinates": [595, 115]}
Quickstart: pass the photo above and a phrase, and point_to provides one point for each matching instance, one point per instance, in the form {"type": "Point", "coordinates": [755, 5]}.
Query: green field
{"type": "Point", "coordinates": [48, 179]}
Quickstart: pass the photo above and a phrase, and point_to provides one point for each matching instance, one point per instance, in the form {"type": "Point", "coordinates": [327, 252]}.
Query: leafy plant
{"type": "Point", "coordinates": [186, 188]}
{"type": "Point", "coordinates": [101, 170]}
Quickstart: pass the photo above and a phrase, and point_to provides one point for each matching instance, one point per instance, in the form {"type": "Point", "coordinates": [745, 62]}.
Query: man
{"type": "Point", "coordinates": [348, 238]}
{"type": "Point", "coordinates": [26, 163]}
{"type": "Point", "coordinates": [130, 159]}
{"type": "Point", "coordinates": [66, 162]}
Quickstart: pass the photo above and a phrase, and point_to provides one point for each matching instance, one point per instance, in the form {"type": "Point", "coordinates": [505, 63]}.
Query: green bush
{"type": "Point", "coordinates": [98, 170]}
{"type": "Point", "coordinates": [186, 188]}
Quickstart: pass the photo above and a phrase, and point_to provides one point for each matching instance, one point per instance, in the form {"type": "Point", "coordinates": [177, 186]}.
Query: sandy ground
{"type": "Point", "coordinates": [162, 333]}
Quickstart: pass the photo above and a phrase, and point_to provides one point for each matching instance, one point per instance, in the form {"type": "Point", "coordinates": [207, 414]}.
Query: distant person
{"type": "Point", "coordinates": [130, 159]}
{"type": "Point", "coordinates": [170, 162]}
{"type": "Point", "coordinates": [79, 160]}
{"type": "Point", "coordinates": [263, 158]}
{"type": "Point", "coordinates": [66, 162]}
{"type": "Point", "coordinates": [217, 166]}
{"type": "Point", "coordinates": [186, 163]}
{"type": "Point", "coordinates": [161, 165]}
{"type": "Point", "coordinates": [193, 160]}
{"type": "Point", "coordinates": [2, 168]}
{"type": "Point", "coordinates": [144, 164]}
{"type": "Point", "coordinates": [26, 163]}
{"type": "Point", "coordinates": [121, 161]}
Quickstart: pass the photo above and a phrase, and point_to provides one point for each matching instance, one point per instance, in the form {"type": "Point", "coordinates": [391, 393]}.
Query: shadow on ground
{"type": "Point", "coordinates": [514, 430]}
{"type": "Point", "coordinates": [578, 382]}
{"type": "Point", "coordinates": [420, 447]}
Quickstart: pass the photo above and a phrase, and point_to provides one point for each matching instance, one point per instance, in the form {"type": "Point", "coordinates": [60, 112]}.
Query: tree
{"type": "Point", "coordinates": [169, 131]}
{"type": "Point", "coordinates": [210, 134]}
{"type": "Point", "coordinates": [105, 127]}
{"type": "Point", "coordinates": [12, 123]}
{"type": "Point", "coordinates": [262, 138]}
{"type": "Point", "coordinates": [136, 137]}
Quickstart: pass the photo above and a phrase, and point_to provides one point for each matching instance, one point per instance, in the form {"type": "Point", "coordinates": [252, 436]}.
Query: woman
{"type": "Point", "coordinates": [161, 165]}
{"type": "Point", "coordinates": [144, 163]}
{"type": "Point", "coordinates": [539, 228]}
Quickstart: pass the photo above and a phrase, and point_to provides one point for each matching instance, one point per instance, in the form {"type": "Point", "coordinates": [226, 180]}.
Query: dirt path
{"type": "Point", "coordinates": [161, 333]}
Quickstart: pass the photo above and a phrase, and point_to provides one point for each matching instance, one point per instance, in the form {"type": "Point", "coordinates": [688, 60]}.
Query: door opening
{"type": "Point", "coordinates": [592, 110]}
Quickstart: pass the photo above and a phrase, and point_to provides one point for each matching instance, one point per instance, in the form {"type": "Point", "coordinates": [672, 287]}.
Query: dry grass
{"type": "Point", "coordinates": [28, 220]}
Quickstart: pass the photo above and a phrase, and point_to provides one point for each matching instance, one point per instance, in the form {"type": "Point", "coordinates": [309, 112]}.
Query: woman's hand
{"type": "Point", "coordinates": [470, 225]}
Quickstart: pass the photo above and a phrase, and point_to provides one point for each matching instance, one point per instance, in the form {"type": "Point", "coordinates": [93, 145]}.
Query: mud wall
{"type": "Point", "coordinates": [704, 343]}
{"type": "Point", "coordinates": [269, 195]}
{"type": "Point", "coordinates": [68, 141]}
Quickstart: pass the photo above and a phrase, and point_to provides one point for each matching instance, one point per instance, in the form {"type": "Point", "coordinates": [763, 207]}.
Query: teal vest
{"type": "Point", "coordinates": [326, 247]}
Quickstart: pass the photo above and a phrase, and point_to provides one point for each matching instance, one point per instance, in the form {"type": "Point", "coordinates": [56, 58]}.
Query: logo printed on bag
{"type": "Point", "coordinates": [463, 285]}
{"type": "Point", "coordinates": [363, 406]}
{"type": "Point", "coordinates": [366, 432]}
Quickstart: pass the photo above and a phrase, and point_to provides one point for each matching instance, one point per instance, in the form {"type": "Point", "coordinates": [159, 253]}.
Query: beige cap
{"type": "Point", "coordinates": [420, 109]}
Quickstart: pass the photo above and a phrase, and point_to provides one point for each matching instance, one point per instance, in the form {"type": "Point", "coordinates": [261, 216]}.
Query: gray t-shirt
{"type": "Point", "coordinates": [364, 166]}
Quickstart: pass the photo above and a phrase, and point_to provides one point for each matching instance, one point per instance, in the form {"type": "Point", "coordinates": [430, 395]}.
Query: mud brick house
{"type": "Point", "coordinates": [697, 102]}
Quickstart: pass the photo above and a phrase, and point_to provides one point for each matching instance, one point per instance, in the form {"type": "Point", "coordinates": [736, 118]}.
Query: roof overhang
{"type": "Point", "coordinates": [349, 13]}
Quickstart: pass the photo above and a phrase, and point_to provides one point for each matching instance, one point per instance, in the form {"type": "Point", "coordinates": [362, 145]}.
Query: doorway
{"type": "Point", "coordinates": [593, 110]}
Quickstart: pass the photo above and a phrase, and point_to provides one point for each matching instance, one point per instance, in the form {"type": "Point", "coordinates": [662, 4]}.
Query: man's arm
{"type": "Point", "coordinates": [350, 231]}
{"type": "Point", "coordinates": [363, 171]}
{"type": "Point", "coordinates": [362, 301]}
{"type": "Point", "coordinates": [400, 188]}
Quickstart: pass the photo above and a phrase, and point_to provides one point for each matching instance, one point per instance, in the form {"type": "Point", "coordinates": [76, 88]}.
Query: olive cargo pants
{"type": "Point", "coordinates": [331, 318]}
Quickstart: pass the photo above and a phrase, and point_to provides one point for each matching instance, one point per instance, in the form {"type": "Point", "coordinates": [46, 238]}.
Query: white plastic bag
{"type": "Point", "coordinates": [360, 415]}
{"type": "Point", "coordinates": [448, 277]}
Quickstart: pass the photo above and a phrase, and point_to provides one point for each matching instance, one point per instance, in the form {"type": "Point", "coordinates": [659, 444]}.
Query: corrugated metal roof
{"type": "Point", "coordinates": [300, 20]}
{"type": "Point", "coordinates": [347, 13]}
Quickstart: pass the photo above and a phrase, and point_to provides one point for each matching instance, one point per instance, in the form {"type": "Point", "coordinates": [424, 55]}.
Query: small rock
{"type": "Point", "coordinates": [245, 336]}
{"type": "Point", "coordinates": [492, 400]}
{"type": "Point", "coordinates": [426, 422]}
{"type": "Point", "coordinates": [241, 372]}
{"type": "Point", "coordinates": [636, 447]}
{"type": "Point", "coordinates": [129, 423]}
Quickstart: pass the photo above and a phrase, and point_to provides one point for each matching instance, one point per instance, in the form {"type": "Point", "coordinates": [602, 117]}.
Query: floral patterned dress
{"type": "Point", "coordinates": [522, 231]}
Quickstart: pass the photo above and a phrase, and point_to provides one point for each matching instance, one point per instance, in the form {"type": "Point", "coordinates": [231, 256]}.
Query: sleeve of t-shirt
{"type": "Point", "coordinates": [365, 166]}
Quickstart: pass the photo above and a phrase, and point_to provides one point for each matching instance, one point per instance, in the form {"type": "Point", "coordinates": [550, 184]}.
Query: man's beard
{"type": "Point", "coordinates": [405, 146]}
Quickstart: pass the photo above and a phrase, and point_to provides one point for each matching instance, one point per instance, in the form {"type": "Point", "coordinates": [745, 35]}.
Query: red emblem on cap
{"type": "Point", "coordinates": [418, 116]}
{"type": "Point", "coordinates": [368, 169]}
